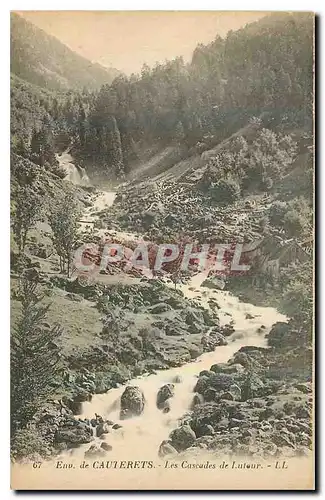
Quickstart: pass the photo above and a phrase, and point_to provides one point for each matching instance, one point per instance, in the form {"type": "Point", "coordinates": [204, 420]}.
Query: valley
{"type": "Point", "coordinates": [175, 365]}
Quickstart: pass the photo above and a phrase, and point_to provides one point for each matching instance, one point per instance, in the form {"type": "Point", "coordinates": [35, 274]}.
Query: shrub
{"type": "Point", "coordinates": [294, 217]}
{"type": "Point", "coordinates": [225, 191]}
{"type": "Point", "coordinates": [28, 443]}
{"type": "Point", "coordinates": [277, 213]}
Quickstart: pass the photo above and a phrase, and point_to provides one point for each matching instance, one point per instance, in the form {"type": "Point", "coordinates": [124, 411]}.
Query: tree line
{"type": "Point", "coordinates": [266, 67]}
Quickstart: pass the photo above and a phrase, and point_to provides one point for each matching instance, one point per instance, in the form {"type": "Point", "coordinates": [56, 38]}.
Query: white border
{"type": "Point", "coordinates": [294, 5]}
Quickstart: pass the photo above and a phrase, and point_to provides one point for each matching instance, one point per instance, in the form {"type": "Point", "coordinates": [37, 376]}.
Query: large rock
{"type": "Point", "coordinates": [282, 335]}
{"type": "Point", "coordinates": [160, 308]}
{"type": "Point", "coordinates": [165, 392]}
{"type": "Point", "coordinates": [252, 387]}
{"type": "Point", "coordinates": [193, 318]}
{"type": "Point", "coordinates": [240, 358]}
{"type": "Point", "coordinates": [74, 434]}
{"type": "Point", "coordinates": [102, 428]}
{"type": "Point", "coordinates": [218, 381]}
{"type": "Point", "coordinates": [210, 394]}
{"type": "Point", "coordinates": [166, 449]}
{"type": "Point", "coordinates": [214, 283]}
{"type": "Point", "coordinates": [229, 369]}
{"type": "Point", "coordinates": [75, 406]}
{"type": "Point", "coordinates": [132, 402]}
{"type": "Point", "coordinates": [182, 438]}
{"type": "Point", "coordinates": [74, 297]}
{"type": "Point", "coordinates": [227, 329]}
{"type": "Point", "coordinates": [207, 414]}
{"type": "Point", "coordinates": [210, 342]}
{"type": "Point", "coordinates": [106, 447]}
{"type": "Point", "coordinates": [198, 399]}
{"type": "Point", "coordinates": [95, 452]}
{"type": "Point", "coordinates": [202, 384]}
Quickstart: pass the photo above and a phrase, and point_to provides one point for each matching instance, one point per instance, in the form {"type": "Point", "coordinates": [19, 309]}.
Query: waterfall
{"type": "Point", "coordinates": [74, 174]}
{"type": "Point", "coordinates": [141, 436]}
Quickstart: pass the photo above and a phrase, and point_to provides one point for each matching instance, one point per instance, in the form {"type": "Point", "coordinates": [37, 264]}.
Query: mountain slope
{"type": "Point", "coordinates": [43, 60]}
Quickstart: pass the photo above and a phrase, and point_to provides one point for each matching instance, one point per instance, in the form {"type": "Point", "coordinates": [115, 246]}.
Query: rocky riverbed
{"type": "Point", "coordinates": [180, 372]}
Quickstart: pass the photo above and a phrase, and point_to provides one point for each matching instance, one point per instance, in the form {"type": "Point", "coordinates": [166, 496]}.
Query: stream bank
{"type": "Point", "coordinates": [179, 353]}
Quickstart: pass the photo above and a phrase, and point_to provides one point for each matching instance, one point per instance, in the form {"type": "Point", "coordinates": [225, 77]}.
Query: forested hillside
{"type": "Point", "coordinates": [43, 60]}
{"type": "Point", "coordinates": [261, 71]}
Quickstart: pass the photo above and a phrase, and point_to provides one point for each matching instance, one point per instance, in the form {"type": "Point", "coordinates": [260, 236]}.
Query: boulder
{"type": "Point", "coordinates": [218, 339]}
{"type": "Point", "coordinates": [82, 395]}
{"type": "Point", "coordinates": [211, 319]}
{"type": "Point", "coordinates": [221, 381]}
{"type": "Point", "coordinates": [205, 430]}
{"type": "Point", "coordinates": [194, 318]}
{"type": "Point", "coordinates": [74, 297]}
{"type": "Point", "coordinates": [197, 400]}
{"type": "Point", "coordinates": [227, 329]}
{"type": "Point", "coordinates": [210, 394]}
{"type": "Point", "coordinates": [225, 368]}
{"type": "Point", "coordinates": [228, 396]}
{"type": "Point", "coordinates": [95, 452]}
{"type": "Point", "coordinates": [166, 449]}
{"type": "Point", "coordinates": [202, 384]}
{"type": "Point", "coordinates": [280, 335]}
{"type": "Point", "coordinates": [75, 407]}
{"type": "Point", "coordinates": [159, 308]}
{"type": "Point", "coordinates": [182, 438]}
{"type": "Point", "coordinates": [241, 358]}
{"type": "Point", "coordinates": [206, 373]}
{"type": "Point", "coordinates": [166, 407]}
{"type": "Point", "coordinates": [132, 402]}
{"type": "Point", "coordinates": [235, 390]}
{"type": "Point", "coordinates": [101, 429]}
{"type": "Point", "coordinates": [210, 413]}
{"type": "Point", "coordinates": [213, 283]}
{"type": "Point", "coordinates": [195, 328]}
{"type": "Point", "coordinates": [305, 388]}
{"type": "Point", "coordinates": [252, 387]}
{"type": "Point", "coordinates": [106, 447]}
{"type": "Point", "coordinates": [74, 434]}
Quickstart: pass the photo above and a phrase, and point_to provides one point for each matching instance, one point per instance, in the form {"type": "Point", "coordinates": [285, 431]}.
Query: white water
{"type": "Point", "coordinates": [74, 175]}
{"type": "Point", "coordinates": [141, 436]}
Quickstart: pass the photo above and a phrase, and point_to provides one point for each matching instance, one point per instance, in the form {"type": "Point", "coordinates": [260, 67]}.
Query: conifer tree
{"type": "Point", "coordinates": [34, 354]}
{"type": "Point", "coordinates": [26, 211]}
{"type": "Point", "coordinates": [115, 158]}
{"type": "Point", "coordinates": [63, 220]}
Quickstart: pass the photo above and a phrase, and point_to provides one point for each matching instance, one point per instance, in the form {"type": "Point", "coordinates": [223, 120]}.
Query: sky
{"type": "Point", "coordinates": [125, 39]}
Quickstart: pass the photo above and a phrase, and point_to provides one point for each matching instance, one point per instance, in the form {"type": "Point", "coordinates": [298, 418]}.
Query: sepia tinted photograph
{"type": "Point", "coordinates": [162, 250]}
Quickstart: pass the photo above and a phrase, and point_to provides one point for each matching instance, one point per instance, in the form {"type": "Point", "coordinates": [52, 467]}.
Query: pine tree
{"type": "Point", "coordinates": [21, 148]}
{"type": "Point", "coordinates": [115, 157]}
{"type": "Point", "coordinates": [26, 211]}
{"type": "Point", "coordinates": [63, 220]}
{"type": "Point", "coordinates": [34, 355]}
{"type": "Point", "coordinates": [42, 146]}
{"type": "Point", "coordinates": [81, 124]}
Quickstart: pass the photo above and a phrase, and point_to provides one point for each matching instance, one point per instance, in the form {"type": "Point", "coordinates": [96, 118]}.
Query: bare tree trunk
{"type": "Point", "coordinates": [68, 266]}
